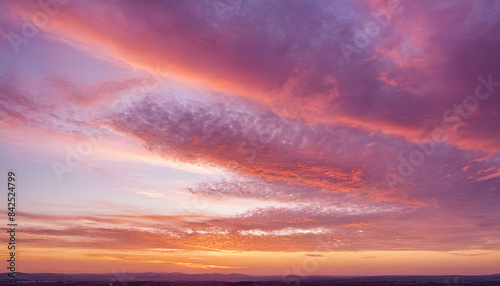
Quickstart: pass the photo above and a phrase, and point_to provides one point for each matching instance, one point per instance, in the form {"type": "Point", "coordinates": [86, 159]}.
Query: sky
{"type": "Point", "coordinates": [257, 137]}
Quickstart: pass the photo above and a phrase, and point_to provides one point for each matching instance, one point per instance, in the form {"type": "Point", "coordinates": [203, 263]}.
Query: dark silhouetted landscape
{"type": "Point", "coordinates": [178, 279]}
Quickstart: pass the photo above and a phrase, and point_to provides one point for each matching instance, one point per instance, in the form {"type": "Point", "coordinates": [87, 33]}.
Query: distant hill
{"type": "Point", "coordinates": [493, 279]}
{"type": "Point", "coordinates": [148, 276]}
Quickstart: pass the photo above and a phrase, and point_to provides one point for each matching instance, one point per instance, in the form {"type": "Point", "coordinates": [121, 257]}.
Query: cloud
{"type": "Point", "coordinates": [368, 257]}
{"type": "Point", "coordinates": [469, 254]}
{"type": "Point", "coordinates": [306, 227]}
{"type": "Point", "coordinates": [213, 133]}
{"type": "Point", "coordinates": [404, 90]}
{"type": "Point", "coordinates": [313, 255]}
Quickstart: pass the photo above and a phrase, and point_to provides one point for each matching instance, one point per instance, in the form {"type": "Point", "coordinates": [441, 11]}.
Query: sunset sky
{"type": "Point", "coordinates": [257, 137]}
